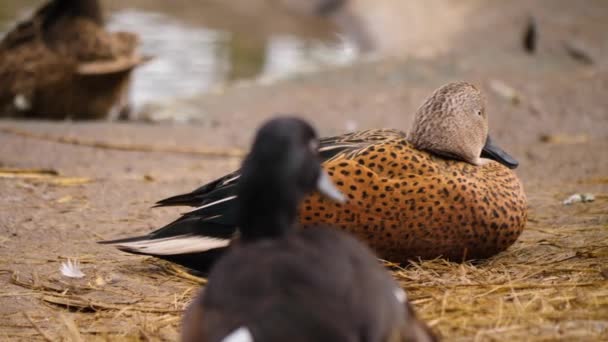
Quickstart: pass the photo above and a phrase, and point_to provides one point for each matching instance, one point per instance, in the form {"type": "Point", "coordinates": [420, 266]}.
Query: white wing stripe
{"type": "Point", "coordinates": [333, 147]}
{"type": "Point", "coordinates": [180, 244]}
{"type": "Point", "coordinates": [225, 199]}
{"type": "Point", "coordinates": [230, 180]}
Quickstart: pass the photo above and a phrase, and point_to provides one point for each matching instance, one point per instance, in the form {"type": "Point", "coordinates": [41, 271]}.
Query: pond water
{"type": "Point", "coordinates": [192, 57]}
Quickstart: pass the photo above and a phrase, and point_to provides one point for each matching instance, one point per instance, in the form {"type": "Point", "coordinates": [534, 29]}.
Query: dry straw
{"type": "Point", "coordinates": [552, 284]}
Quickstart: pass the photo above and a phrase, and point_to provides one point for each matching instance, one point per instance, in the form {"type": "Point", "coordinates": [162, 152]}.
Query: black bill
{"type": "Point", "coordinates": [492, 151]}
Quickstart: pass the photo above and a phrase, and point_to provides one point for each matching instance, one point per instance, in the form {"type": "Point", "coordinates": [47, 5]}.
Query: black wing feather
{"type": "Point", "coordinates": [329, 148]}
{"type": "Point", "coordinates": [201, 195]}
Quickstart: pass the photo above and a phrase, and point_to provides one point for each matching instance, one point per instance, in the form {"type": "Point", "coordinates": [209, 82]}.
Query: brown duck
{"type": "Point", "coordinates": [62, 63]}
{"type": "Point", "coordinates": [432, 193]}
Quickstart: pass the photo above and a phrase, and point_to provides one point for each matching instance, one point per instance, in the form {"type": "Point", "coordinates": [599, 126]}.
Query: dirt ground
{"type": "Point", "coordinates": [552, 284]}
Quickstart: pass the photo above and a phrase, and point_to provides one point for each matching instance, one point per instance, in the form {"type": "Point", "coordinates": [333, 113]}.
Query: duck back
{"type": "Point", "coordinates": [311, 285]}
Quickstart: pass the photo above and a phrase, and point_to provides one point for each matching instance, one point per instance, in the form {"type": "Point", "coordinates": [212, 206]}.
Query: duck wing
{"type": "Point", "coordinates": [192, 241]}
{"type": "Point", "coordinates": [112, 66]}
{"type": "Point", "coordinates": [329, 149]}
{"type": "Point", "coordinates": [91, 49]}
{"type": "Point", "coordinates": [223, 186]}
{"type": "Point", "coordinates": [211, 226]}
{"type": "Point", "coordinates": [198, 237]}
{"type": "Point", "coordinates": [350, 143]}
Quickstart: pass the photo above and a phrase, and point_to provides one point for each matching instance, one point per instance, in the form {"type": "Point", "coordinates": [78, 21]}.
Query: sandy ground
{"type": "Point", "coordinates": [557, 128]}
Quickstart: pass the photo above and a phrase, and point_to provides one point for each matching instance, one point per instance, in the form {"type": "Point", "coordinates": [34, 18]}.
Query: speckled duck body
{"type": "Point", "coordinates": [406, 203]}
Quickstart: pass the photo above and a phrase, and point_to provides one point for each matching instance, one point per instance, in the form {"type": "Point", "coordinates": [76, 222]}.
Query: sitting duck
{"type": "Point", "coordinates": [443, 190]}
{"type": "Point", "coordinates": [61, 63]}
{"type": "Point", "coordinates": [280, 283]}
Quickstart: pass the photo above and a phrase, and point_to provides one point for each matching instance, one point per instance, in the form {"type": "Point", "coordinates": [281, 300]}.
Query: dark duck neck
{"type": "Point", "coordinates": [278, 172]}
{"type": "Point", "coordinates": [267, 205]}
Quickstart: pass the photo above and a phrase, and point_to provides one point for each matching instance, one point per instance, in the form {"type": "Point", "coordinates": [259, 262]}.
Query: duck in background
{"type": "Point", "coordinates": [443, 190]}
{"type": "Point", "coordinates": [61, 63]}
{"type": "Point", "coordinates": [279, 283]}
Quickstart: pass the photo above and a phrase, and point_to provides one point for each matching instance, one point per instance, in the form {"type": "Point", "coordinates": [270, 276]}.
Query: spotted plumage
{"type": "Point", "coordinates": [443, 190]}
{"type": "Point", "coordinates": [408, 203]}
{"type": "Point", "coordinates": [62, 63]}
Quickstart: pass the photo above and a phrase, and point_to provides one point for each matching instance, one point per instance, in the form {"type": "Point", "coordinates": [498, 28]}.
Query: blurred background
{"type": "Point", "coordinates": [203, 46]}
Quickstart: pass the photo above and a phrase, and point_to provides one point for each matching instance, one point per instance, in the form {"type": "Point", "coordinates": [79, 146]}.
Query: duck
{"type": "Point", "coordinates": [280, 283]}
{"type": "Point", "coordinates": [61, 63]}
{"type": "Point", "coordinates": [445, 190]}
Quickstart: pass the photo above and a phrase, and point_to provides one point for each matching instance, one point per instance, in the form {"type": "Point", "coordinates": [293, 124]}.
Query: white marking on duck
{"type": "Point", "coordinates": [400, 294]}
{"type": "Point", "coordinates": [230, 180]}
{"type": "Point", "coordinates": [22, 103]}
{"type": "Point", "coordinates": [241, 334]}
{"type": "Point", "coordinates": [225, 199]}
{"type": "Point", "coordinates": [181, 244]}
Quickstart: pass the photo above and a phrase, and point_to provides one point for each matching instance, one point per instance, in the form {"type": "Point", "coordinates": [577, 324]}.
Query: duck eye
{"type": "Point", "coordinates": [479, 112]}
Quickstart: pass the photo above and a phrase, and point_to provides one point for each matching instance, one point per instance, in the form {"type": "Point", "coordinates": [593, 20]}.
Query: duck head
{"type": "Point", "coordinates": [453, 123]}
{"type": "Point", "coordinates": [57, 9]}
{"type": "Point", "coordinates": [282, 167]}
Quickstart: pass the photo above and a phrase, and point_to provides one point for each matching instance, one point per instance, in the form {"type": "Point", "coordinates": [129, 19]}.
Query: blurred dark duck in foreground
{"type": "Point", "coordinates": [61, 63]}
{"type": "Point", "coordinates": [279, 283]}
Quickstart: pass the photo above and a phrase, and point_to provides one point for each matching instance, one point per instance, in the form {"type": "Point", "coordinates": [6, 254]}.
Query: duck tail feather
{"type": "Point", "coordinates": [215, 190]}
{"type": "Point", "coordinates": [174, 245]}
{"type": "Point", "coordinates": [125, 240]}
{"type": "Point", "coordinates": [188, 234]}
{"type": "Point", "coordinates": [190, 200]}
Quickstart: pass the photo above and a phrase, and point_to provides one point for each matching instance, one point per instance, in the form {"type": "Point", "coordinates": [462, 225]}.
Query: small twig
{"type": "Point", "coordinates": [209, 152]}
{"type": "Point", "coordinates": [38, 329]}
{"type": "Point", "coordinates": [15, 294]}
{"type": "Point", "coordinates": [72, 328]}
{"type": "Point", "coordinates": [181, 273]}
{"type": "Point", "coordinates": [48, 172]}
{"type": "Point", "coordinates": [83, 303]}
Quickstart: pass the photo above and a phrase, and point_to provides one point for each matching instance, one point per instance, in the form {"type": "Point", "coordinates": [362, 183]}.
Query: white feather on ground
{"type": "Point", "coordinates": [71, 269]}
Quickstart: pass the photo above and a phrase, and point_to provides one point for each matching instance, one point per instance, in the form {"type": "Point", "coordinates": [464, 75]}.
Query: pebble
{"type": "Point", "coordinates": [576, 198]}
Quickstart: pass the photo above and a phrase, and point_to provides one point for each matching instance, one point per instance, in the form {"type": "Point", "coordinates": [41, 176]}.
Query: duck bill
{"type": "Point", "coordinates": [492, 151]}
{"type": "Point", "coordinates": [327, 188]}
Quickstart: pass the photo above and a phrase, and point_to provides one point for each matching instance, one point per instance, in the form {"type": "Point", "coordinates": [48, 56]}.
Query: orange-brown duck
{"type": "Point", "coordinates": [279, 283]}
{"type": "Point", "coordinates": [433, 193]}
{"type": "Point", "coordinates": [62, 63]}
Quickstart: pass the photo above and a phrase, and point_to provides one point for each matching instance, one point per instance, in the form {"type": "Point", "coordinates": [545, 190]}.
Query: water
{"type": "Point", "coordinates": [192, 59]}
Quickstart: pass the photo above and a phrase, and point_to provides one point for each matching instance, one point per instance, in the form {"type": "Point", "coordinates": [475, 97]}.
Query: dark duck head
{"type": "Point", "coordinates": [73, 8]}
{"type": "Point", "coordinates": [281, 169]}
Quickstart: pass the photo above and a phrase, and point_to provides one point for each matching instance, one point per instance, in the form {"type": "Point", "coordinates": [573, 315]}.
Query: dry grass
{"type": "Point", "coordinates": [552, 284]}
